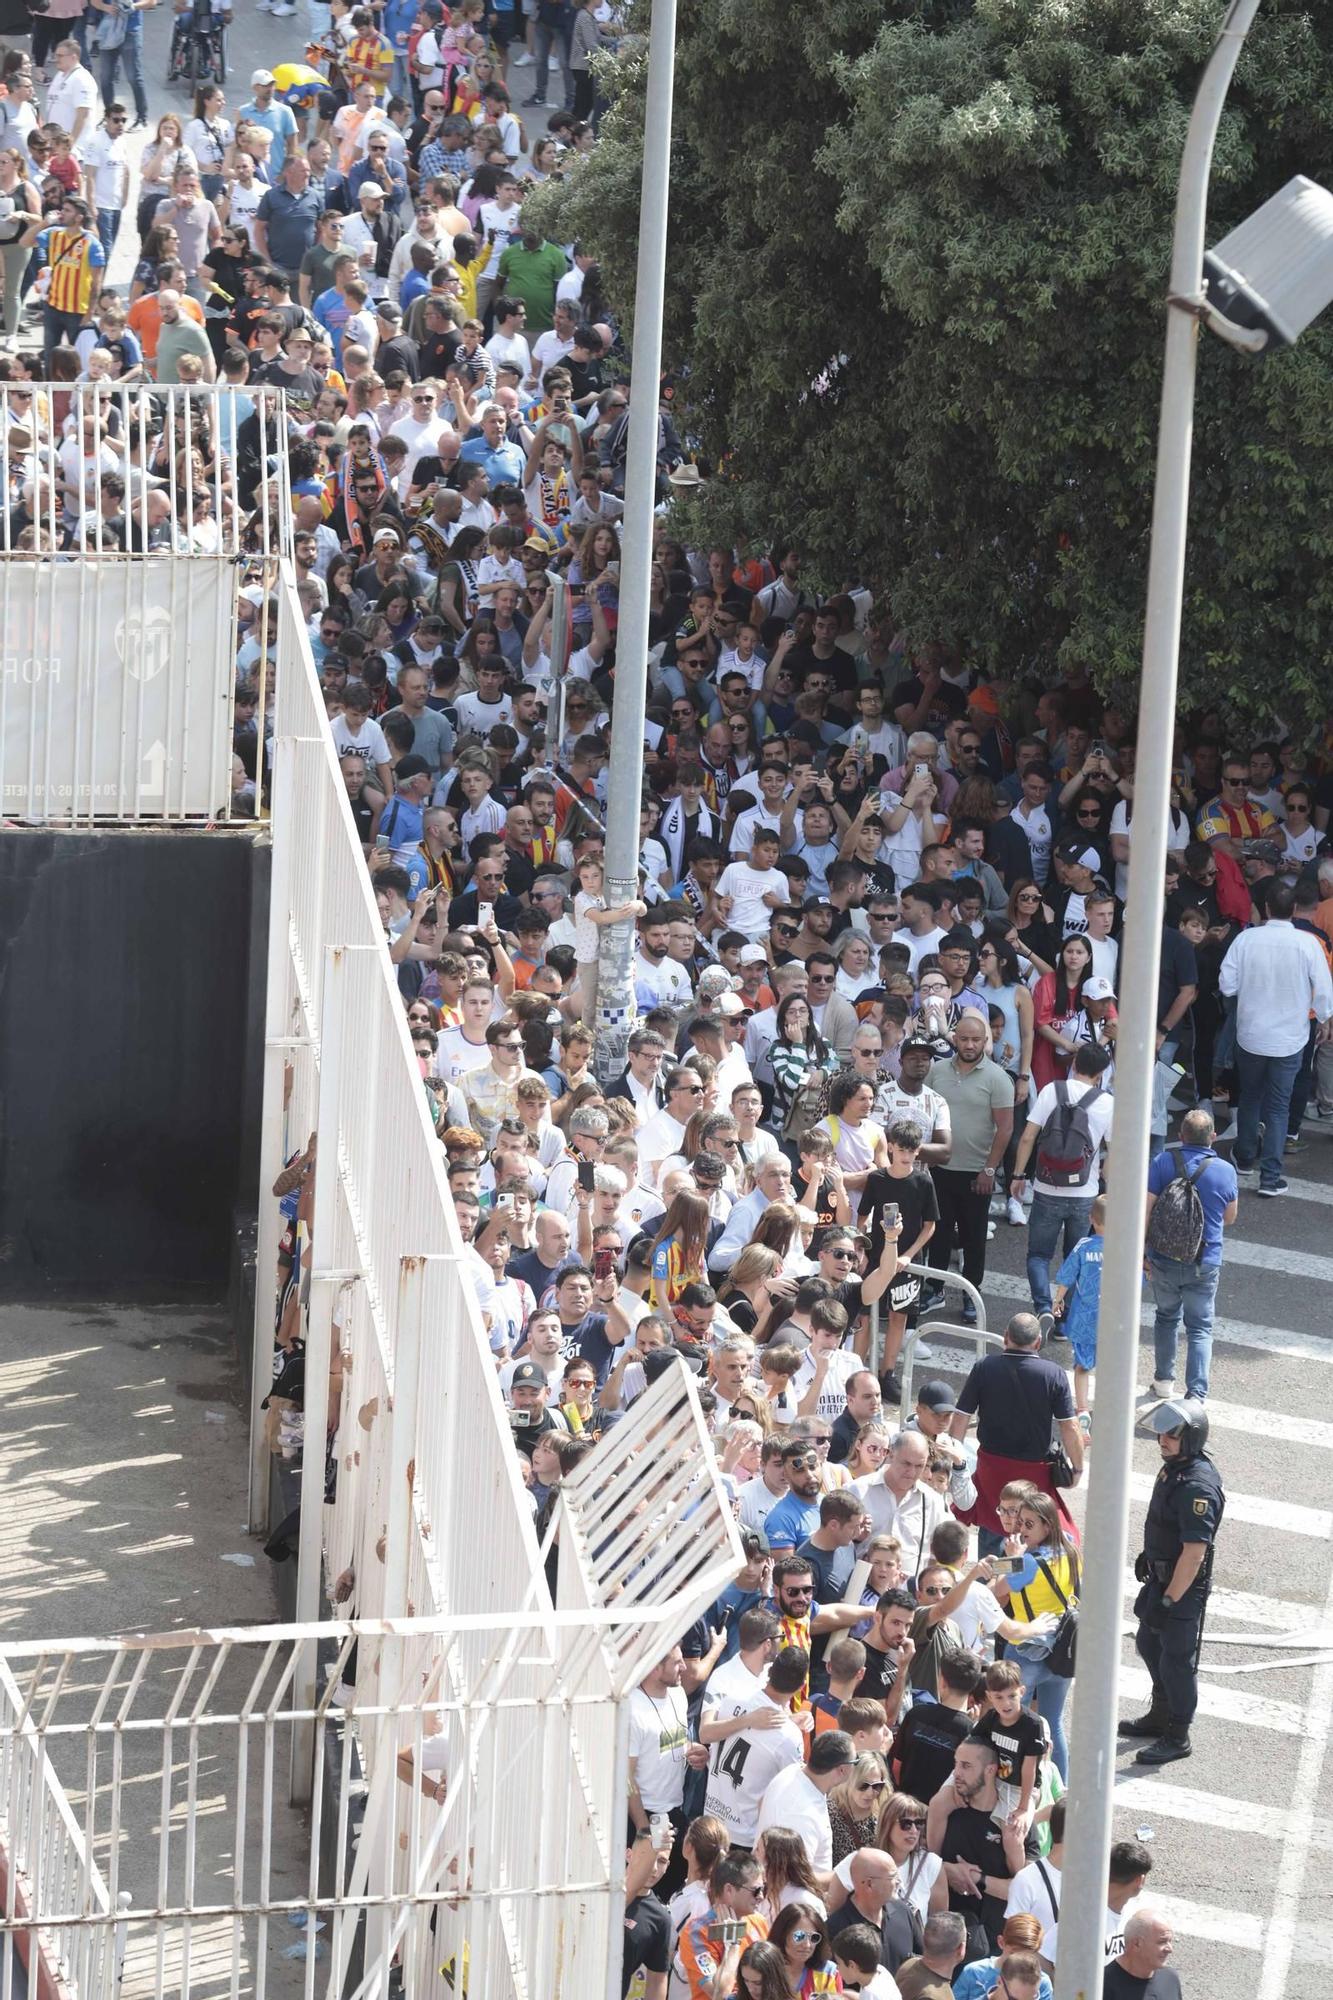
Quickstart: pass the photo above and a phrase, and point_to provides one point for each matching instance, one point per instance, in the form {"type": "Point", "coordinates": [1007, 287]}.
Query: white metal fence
{"type": "Point", "coordinates": [429, 1516]}
{"type": "Point", "coordinates": [125, 540]}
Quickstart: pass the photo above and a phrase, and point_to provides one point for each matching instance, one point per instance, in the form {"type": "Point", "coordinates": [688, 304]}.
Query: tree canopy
{"type": "Point", "coordinates": [918, 260]}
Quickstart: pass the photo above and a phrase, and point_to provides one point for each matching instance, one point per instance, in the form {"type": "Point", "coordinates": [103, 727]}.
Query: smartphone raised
{"type": "Point", "coordinates": [587, 1172]}
{"type": "Point", "coordinates": [891, 1216]}
{"type": "Point", "coordinates": [603, 1264]}
{"type": "Point", "coordinates": [1006, 1565]}
{"type": "Point", "coordinates": [485, 916]}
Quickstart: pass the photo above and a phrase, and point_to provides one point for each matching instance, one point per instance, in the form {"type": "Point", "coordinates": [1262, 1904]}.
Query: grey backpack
{"type": "Point", "coordinates": [1175, 1227]}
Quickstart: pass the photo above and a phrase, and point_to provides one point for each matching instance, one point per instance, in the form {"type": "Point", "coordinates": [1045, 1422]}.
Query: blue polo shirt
{"type": "Point", "coordinates": [1217, 1188]}
{"type": "Point", "coordinates": [503, 466]}
{"type": "Point", "coordinates": [792, 1522]}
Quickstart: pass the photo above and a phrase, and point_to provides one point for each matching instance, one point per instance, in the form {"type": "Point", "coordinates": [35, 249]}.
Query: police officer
{"type": "Point", "coordinates": [1175, 1569]}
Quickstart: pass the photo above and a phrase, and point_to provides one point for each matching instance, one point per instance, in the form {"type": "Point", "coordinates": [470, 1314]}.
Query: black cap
{"type": "Point", "coordinates": [527, 1375]}
{"type": "Point", "coordinates": [937, 1397]}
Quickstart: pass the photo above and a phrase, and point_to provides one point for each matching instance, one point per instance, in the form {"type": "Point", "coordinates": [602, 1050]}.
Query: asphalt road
{"type": "Point", "coordinates": [1240, 1833]}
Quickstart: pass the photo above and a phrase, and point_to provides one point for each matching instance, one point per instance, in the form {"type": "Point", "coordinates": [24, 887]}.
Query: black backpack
{"type": "Point", "coordinates": [1175, 1227]}
{"type": "Point", "coordinates": [1066, 1149]}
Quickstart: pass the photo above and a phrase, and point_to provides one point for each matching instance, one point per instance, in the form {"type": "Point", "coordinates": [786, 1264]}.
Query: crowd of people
{"type": "Point", "coordinates": [877, 955]}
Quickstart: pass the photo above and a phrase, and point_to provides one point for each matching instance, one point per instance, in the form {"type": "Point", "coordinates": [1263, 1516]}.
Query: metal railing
{"type": "Point", "coordinates": [428, 1514]}
{"type": "Point", "coordinates": [119, 597]}
{"type": "Point", "coordinates": [975, 1338]}
{"type": "Point", "coordinates": [59, 1921]}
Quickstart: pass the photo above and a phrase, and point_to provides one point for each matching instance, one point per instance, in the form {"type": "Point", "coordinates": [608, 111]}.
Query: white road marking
{"type": "Point", "coordinates": [1235, 1332]}
{"type": "Point", "coordinates": [1274, 1257]}
{"type": "Point", "coordinates": [1226, 1704]}
{"type": "Point", "coordinates": [1208, 1920]}
{"type": "Point", "coordinates": [1302, 1830]}
{"type": "Point", "coordinates": [1269, 1423]}
{"type": "Point", "coordinates": [1281, 1517]}
{"type": "Point", "coordinates": [1167, 1800]}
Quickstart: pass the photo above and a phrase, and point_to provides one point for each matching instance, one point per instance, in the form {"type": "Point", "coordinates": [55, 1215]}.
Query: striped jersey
{"type": "Point", "coordinates": [71, 256]}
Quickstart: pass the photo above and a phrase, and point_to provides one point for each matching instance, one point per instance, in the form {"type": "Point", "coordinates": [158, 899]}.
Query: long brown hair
{"type": "Point", "coordinates": [786, 1865]}
{"type": "Point", "coordinates": [686, 1220]}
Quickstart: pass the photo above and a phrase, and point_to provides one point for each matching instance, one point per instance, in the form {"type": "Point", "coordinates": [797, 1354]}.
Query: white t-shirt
{"type": "Point", "coordinates": [67, 94]}
{"type": "Point", "coordinates": [455, 1055]}
{"type": "Point", "coordinates": [887, 742]}
{"type": "Point", "coordinates": [1177, 840]}
{"type": "Point", "coordinates": [742, 1768]}
{"type": "Point", "coordinates": [368, 744]}
{"type": "Point", "coordinates": [742, 834]}
{"type": "Point", "coordinates": [977, 1618]}
{"type": "Point", "coordinates": [927, 1110]}
{"type": "Point", "coordinates": [510, 350]}
{"type": "Point", "coordinates": [919, 947]}
{"type": "Point", "coordinates": [476, 717]}
{"type": "Point", "coordinates": [732, 1682]}
{"type": "Point", "coordinates": [553, 1369]}
{"type": "Point", "coordinates": [109, 156]}
{"type": "Point", "coordinates": [658, 1733]}
{"type": "Point", "coordinates": [1099, 1126]}
{"type": "Point", "coordinates": [757, 1503]}
{"type": "Point", "coordinates": [791, 1800]}
{"type": "Point", "coordinates": [1037, 830]}
{"type": "Point", "coordinates": [657, 1140]}
{"type": "Point", "coordinates": [842, 1365]}
{"type": "Point", "coordinates": [508, 227]}
{"type": "Point", "coordinates": [243, 201]}
{"type": "Point", "coordinates": [747, 887]}
{"type": "Point", "coordinates": [918, 1895]}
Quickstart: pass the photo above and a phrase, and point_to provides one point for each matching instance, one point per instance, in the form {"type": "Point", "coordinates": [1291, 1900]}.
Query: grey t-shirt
{"type": "Point", "coordinates": [434, 737]}
{"type": "Point", "coordinates": [973, 1097]}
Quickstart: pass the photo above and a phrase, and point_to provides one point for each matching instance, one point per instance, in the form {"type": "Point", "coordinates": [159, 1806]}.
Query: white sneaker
{"type": "Point", "coordinates": [555, 104]}
{"type": "Point", "coordinates": [263, 6]}
{"type": "Point", "coordinates": [990, 1232]}
{"type": "Point", "coordinates": [522, 61]}
{"type": "Point", "coordinates": [282, 7]}
{"type": "Point", "coordinates": [1015, 1212]}
{"type": "Point", "coordinates": [1166, 1390]}
{"type": "Point", "coordinates": [924, 1353]}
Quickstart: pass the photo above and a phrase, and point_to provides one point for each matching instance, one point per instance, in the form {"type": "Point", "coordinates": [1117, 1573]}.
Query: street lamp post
{"type": "Point", "coordinates": [1092, 1773]}
{"type": "Point", "coordinates": [615, 985]}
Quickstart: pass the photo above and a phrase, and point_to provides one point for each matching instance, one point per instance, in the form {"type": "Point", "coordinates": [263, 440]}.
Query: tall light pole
{"type": "Point", "coordinates": [1092, 1771]}
{"type": "Point", "coordinates": [615, 986]}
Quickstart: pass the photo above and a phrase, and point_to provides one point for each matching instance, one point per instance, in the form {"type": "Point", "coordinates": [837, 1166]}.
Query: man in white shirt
{"type": "Point", "coordinates": [898, 1504]}
{"type": "Point", "coordinates": [1061, 1203]}
{"type": "Point", "coordinates": [664, 1133]}
{"type": "Point", "coordinates": [658, 1741]}
{"type": "Point", "coordinates": [921, 931]}
{"type": "Point", "coordinates": [1031, 817]}
{"type": "Point", "coordinates": [798, 1796]}
{"type": "Point", "coordinates": [1280, 977]}
{"type": "Point", "coordinates": [556, 344]}
{"type": "Point", "coordinates": [834, 1365]}
{"type": "Point", "coordinates": [422, 431]}
{"type": "Point", "coordinates": [751, 1747]}
{"type": "Point", "coordinates": [506, 346]}
{"type": "Point", "coordinates": [72, 96]}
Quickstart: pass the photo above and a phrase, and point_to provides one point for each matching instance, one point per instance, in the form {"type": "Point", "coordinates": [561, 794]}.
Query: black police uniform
{"type": "Point", "coordinates": [1186, 1506]}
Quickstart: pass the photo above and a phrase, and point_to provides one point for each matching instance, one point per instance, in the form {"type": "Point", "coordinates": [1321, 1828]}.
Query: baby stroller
{"type": "Point", "coordinates": [198, 46]}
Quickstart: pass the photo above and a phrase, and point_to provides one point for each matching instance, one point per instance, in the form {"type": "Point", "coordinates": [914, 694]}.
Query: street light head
{"type": "Point", "coordinates": [1275, 272]}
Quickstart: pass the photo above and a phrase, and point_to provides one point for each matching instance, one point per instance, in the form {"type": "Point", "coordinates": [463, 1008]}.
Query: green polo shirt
{"type": "Point", "coordinates": [973, 1098]}
{"type": "Point", "coordinates": [532, 275]}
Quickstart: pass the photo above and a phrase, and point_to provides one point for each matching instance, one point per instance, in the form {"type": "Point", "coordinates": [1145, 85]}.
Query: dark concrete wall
{"type": "Point", "coordinates": [130, 1006]}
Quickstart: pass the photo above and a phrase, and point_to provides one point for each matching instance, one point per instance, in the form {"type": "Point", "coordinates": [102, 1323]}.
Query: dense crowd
{"type": "Point", "coordinates": [877, 954]}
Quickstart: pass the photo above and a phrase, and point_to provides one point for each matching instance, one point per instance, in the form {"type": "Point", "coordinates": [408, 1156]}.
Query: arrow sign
{"type": "Point", "coordinates": [155, 757]}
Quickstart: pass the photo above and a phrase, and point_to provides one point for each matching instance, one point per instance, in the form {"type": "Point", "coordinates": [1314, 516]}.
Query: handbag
{"type": "Point", "coordinates": [1061, 1467]}
{"type": "Point", "coordinates": [1064, 1640]}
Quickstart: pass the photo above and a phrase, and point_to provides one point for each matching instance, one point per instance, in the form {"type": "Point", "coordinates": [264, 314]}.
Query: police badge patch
{"type": "Point", "coordinates": [1201, 1506]}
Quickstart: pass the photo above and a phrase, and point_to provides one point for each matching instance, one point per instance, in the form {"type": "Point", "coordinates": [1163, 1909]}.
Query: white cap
{"type": "Point", "coordinates": [753, 954]}
{"type": "Point", "coordinates": [262, 76]}
{"type": "Point", "coordinates": [1098, 988]}
{"type": "Point", "coordinates": [730, 1005]}
{"type": "Point", "coordinates": [384, 537]}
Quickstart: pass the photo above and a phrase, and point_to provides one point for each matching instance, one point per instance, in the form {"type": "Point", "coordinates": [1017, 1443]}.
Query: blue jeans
{"type": "Point", "coordinates": [1048, 1693]}
{"type": "Point", "coordinates": [1266, 1084]}
{"type": "Point", "coordinates": [131, 49]}
{"type": "Point", "coordinates": [108, 228]}
{"type": "Point", "coordinates": [1187, 1289]}
{"type": "Point", "coordinates": [1051, 1215]}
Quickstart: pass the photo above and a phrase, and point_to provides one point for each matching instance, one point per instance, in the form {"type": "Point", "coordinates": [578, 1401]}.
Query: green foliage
{"type": "Point", "coordinates": [956, 221]}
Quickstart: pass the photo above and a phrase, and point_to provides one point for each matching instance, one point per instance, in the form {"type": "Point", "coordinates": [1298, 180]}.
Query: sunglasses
{"type": "Point", "coordinates": [807, 1937]}
{"type": "Point", "coordinates": [906, 1824]}
{"type": "Point", "coordinates": [871, 1785]}
{"type": "Point", "coordinates": [841, 1254]}
{"type": "Point", "coordinates": [802, 1464]}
